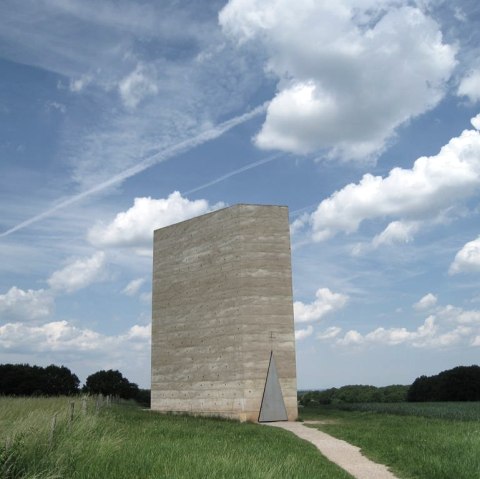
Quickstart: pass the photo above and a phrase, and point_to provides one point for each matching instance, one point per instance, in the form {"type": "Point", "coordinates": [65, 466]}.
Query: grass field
{"type": "Point", "coordinates": [417, 441]}
{"type": "Point", "coordinates": [125, 442]}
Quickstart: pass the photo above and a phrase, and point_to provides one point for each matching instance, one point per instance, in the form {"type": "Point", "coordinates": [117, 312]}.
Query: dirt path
{"type": "Point", "coordinates": [342, 453]}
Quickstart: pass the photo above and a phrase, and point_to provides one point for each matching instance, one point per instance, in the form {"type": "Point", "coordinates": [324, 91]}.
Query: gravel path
{"type": "Point", "coordinates": [342, 453]}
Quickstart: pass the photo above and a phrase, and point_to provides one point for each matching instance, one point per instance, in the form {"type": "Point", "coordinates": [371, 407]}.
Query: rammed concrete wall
{"type": "Point", "coordinates": [222, 300]}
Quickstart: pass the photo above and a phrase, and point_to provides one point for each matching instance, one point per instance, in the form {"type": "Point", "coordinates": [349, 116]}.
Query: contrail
{"type": "Point", "coordinates": [305, 208]}
{"type": "Point", "coordinates": [233, 173]}
{"type": "Point", "coordinates": [156, 158]}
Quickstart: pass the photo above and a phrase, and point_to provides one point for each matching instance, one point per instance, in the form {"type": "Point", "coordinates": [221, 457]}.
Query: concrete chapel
{"type": "Point", "coordinates": [223, 339]}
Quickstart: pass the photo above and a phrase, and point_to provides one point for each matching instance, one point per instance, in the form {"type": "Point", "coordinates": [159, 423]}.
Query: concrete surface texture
{"type": "Point", "coordinates": [342, 453]}
{"type": "Point", "coordinates": [221, 303]}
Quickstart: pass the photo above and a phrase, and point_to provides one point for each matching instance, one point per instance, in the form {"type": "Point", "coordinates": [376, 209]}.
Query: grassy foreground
{"type": "Point", "coordinates": [123, 441]}
{"type": "Point", "coordinates": [443, 445]}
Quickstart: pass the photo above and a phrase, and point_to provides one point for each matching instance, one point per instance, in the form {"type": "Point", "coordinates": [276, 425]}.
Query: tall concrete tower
{"type": "Point", "coordinates": [223, 339]}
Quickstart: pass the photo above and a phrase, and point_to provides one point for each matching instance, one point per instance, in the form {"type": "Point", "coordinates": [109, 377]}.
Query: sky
{"type": "Point", "coordinates": [362, 116]}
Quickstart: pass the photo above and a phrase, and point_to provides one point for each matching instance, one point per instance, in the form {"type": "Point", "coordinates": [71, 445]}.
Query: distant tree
{"type": "Point", "coordinates": [395, 393]}
{"type": "Point", "coordinates": [59, 380]}
{"type": "Point", "coordinates": [421, 390]}
{"type": "Point", "coordinates": [143, 397]}
{"type": "Point", "coordinates": [458, 384]}
{"type": "Point", "coordinates": [26, 380]}
{"type": "Point", "coordinates": [111, 383]}
{"type": "Point", "coordinates": [354, 394]}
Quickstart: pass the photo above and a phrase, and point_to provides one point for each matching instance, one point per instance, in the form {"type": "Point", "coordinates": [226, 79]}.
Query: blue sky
{"type": "Point", "coordinates": [362, 116]}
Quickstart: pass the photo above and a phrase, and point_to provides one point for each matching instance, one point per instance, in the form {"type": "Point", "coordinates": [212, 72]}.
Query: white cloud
{"type": "Point", "coordinates": [135, 226]}
{"type": "Point", "coordinates": [78, 84]}
{"type": "Point", "coordinates": [449, 326]}
{"type": "Point", "coordinates": [391, 336]}
{"type": "Point", "coordinates": [459, 14]}
{"type": "Point", "coordinates": [54, 105]}
{"type": "Point", "coordinates": [470, 86]}
{"type": "Point", "coordinates": [429, 190]}
{"type": "Point", "coordinates": [467, 259]}
{"type": "Point", "coordinates": [396, 232]}
{"type": "Point", "coordinates": [454, 315]}
{"type": "Point", "coordinates": [17, 304]}
{"type": "Point", "coordinates": [349, 73]}
{"type": "Point", "coordinates": [78, 274]}
{"type": "Point", "coordinates": [54, 336]}
{"type": "Point", "coordinates": [139, 84]}
{"type": "Point", "coordinates": [476, 122]}
{"type": "Point", "coordinates": [133, 287]}
{"type": "Point", "coordinates": [81, 349]}
{"type": "Point", "coordinates": [62, 336]}
{"type": "Point", "coordinates": [325, 302]}
{"type": "Point", "coordinates": [329, 333]}
{"type": "Point", "coordinates": [426, 302]}
{"type": "Point", "coordinates": [303, 333]}
{"type": "Point", "coordinates": [299, 223]}
{"type": "Point", "coordinates": [351, 337]}
{"type": "Point", "coordinates": [139, 333]}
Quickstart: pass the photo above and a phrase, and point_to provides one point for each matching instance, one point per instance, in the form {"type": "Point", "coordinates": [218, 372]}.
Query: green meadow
{"type": "Point", "coordinates": [124, 441]}
{"type": "Point", "coordinates": [39, 438]}
{"type": "Point", "coordinates": [415, 440]}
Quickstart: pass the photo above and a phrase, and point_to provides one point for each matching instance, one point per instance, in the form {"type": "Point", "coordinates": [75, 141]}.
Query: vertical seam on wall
{"type": "Point", "coordinates": [265, 386]}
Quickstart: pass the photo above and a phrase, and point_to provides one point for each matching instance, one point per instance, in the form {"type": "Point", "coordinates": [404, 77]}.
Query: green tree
{"type": "Point", "coordinates": [59, 380]}
{"type": "Point", "coordinates": [458, 384]}
{"type": "Point", "coordinates": [26, 380]}
{"type": "Point", "coordinates": [111, 383]}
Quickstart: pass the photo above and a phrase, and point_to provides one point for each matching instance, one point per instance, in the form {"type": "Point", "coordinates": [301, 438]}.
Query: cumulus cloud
{"type": "Point", "coordinates": [78, 84]}
{"type": "Point", "coordinates": [470, 86]}
{"type": "Point", "coordinates": [329, 333]}
{"type": "Point", "coordinates": [325, 302]}
{"type": "Point", "coordinates": [428, 301]}
{"type": "Point", "coordinates": [476, 122]}
{"type": "Point", "coordinates": [449, 326]}
{"type": "Point", "coordinates": [303, 333]}
{"type": "Point", "coordinates": [133, 287]}
{"type": "Point", "coordinates": [17, 304]}
{"type": "Point", "coordinates": [53, 336]}
{"type": "Point", "coordinates": [139, 84]}
{"type": "Point", "coordinates": [349, 74]}
{"type": "Point", "coordinates": [426, 192]}
{"type": "Point", "coordinates": [135, 226]}
{"type": "Point", "coordinates": [392, 336]}
{"type": "Point", "coordinates": [396, 232]}
{"type": "Point", "coordinates": [62, 336]}
{"type": "Point", "coordinates": [80, 348]}
{"type": "Point", "coordinates": [467, 259]}
{"type": "Point", "coordinates": [78, 274]}
{"type": "Point", "coordinates": [138, 333]}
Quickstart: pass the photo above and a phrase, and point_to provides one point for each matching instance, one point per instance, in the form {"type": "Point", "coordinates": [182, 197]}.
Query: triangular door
{"type": "Point", "coordinates": [273, 406]}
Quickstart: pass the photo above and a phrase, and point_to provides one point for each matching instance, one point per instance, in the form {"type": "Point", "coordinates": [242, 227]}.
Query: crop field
{"type": "Point", "coordinates": [38, 439]}
{"type": "Point", "coordinates": [461, 411]}
{"type": "Point", "coordinates": [416, 440]}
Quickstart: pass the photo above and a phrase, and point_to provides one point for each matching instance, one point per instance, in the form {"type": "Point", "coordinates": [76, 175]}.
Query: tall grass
{"type": "Point", "coordinates": [39, 440]}
{"type": "Point", "coordinates": [124, 441]}
{"type": "Point", "coordinates": [412, 445]}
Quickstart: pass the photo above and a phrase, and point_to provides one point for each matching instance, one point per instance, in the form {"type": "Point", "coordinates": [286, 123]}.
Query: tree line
{"type": "Point", "coordinates": [354, 394]}
{"type": "Point", "coordinates": [458, 384]}
{"type": "Point", "coordinates": [26, 380]}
